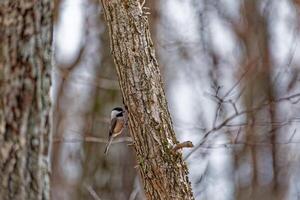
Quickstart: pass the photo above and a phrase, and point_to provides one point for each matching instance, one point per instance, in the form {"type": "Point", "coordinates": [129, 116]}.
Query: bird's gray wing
{"type": "Point", "coordinates": [112, 125]}
{"type": "Point", "coordinates": [110, 136]}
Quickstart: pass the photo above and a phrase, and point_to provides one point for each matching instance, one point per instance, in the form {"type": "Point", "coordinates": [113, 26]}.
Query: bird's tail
{"type": "Point", "coordinates": [110, 139]}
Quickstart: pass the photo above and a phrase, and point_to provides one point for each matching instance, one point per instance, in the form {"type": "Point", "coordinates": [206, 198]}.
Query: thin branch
{"type": "Point", "coordinates": [288, 98]}
{"type": "Point", "coordinates": [231, 145]}
{"type": "Point", "coordinates": [92, 191]}
{"type": "Point", "coordinates": [235, 115]}
{"type": "Point", "coordinates": [249, 66]}
{"type": "Point", "coordinates": [186, 144]}
{"type": "Point", "coordinates": [263, 124]}
{"type": "Point", "coordinates": [217, 114]}
{"type": "Point", "coordinates": [234, 106]}
{"type": "Point", "coordinates": [93, 140]}
{"type": "Point", "coordinates": [237, 136]}
{"type": "Point", "coordinates": [291, 138]}
{"type": "Point", "coordinates": [101, 83]}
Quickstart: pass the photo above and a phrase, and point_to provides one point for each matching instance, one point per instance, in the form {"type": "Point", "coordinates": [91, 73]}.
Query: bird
{"type": "Point", "coordinates": [117, 123]}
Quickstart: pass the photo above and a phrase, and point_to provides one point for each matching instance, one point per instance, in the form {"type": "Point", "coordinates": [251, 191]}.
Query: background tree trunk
{"type": "Point", "coordinates": [111, 177]}
{"type": "Point", "coordinates": [25, 64]}
{"type": "Point", "coordinates": [164, 173]}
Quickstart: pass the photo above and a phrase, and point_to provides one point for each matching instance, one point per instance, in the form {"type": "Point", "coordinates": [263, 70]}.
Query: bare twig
{"type": "Point", "coordinates": [101, 83]}
{"type": "Point", "coordinates": [234, 106]}
{"type": "Point", "coordinates": [92, 191]}
{"type": "Point", "coordinates": [248, 67]}
{"type": "Point", "coordinates": [231, 145]}
{"type": "Point", "coordinates": [235, 115]}
{"type": "Point", "coordinates": [186, 144]}
{"type": "Point", "coordinates": [291, 138]}
{"type": "Point", "coordinates": [93, 139]}
{"type": "Point", "coordinates": [266, 123]}
{"type": "Point", "coordinates": [237, 136]}
{"type": "Point", "coordinates": [288, 98]}
{"type": "Point", "coordinates": [217, 113]}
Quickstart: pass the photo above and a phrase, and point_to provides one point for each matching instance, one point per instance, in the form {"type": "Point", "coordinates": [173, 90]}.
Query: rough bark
{"type": "Point", "coordinates": [25, 63]}
{"type": "Point", "coordinates": [164, 174]}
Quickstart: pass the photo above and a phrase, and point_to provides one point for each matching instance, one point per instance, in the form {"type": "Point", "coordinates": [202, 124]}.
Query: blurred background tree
{"type": "Point", "coordinates": [231, 73]}
{"type": "Point", "coordinates": [26, 31]}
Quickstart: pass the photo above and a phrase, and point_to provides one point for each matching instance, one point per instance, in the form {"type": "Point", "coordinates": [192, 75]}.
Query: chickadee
{"type": "Point", "coordinates": [117, 124]}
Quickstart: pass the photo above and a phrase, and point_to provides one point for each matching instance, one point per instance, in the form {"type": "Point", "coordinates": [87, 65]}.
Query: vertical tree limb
{"type": "Point", "coordinates": [164, 174]}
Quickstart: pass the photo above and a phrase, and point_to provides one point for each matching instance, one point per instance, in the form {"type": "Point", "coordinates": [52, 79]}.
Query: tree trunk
{"type": "Point", "coordinates": [25, 64]}
{"type": "Point", "coordinates": [164, 173]}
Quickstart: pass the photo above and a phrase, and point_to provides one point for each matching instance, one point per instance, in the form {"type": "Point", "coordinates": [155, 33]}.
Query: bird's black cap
{"type": "Point", "coordinates": [118, 109]}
